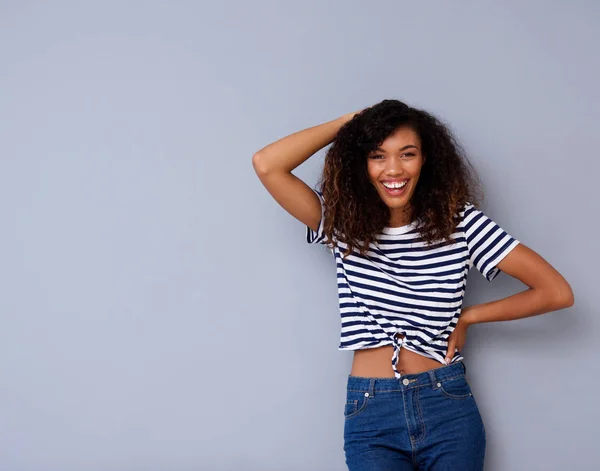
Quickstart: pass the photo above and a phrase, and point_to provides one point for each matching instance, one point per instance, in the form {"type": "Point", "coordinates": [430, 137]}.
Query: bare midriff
{"type": "Point", "coordinates": [377, 362]}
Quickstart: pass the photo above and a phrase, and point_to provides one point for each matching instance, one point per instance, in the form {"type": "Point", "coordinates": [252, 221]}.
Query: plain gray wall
{"type": "Point", "coordinates": [160, 311]}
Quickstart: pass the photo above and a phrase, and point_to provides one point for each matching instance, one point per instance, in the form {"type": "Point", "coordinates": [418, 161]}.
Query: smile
{"type": "Point", "coordinates": [395, 188]}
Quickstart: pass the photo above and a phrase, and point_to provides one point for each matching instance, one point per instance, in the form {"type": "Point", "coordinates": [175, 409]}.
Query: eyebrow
{"type": "Point", "coordinates": [379, 149]}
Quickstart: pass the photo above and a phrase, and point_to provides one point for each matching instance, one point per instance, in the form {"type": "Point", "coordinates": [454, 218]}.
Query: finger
{"type": "Point", "coordinates": [451, 349]}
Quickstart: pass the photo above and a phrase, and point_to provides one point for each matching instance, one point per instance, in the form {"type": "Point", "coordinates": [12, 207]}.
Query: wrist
{"type": "Point", "coordinates": [348, 116]}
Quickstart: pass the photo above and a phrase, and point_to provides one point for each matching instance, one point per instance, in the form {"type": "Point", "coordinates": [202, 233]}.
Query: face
{"type": "Point", "coordinates": [394, 170]}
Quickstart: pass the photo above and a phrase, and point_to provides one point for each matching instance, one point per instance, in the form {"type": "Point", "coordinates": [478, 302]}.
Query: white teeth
{"type": "Point", "coordinates": [395, 185]}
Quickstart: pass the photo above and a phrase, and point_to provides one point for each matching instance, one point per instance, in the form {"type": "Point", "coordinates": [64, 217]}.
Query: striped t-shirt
{"type": "Point", "coordinates": [402, 286]}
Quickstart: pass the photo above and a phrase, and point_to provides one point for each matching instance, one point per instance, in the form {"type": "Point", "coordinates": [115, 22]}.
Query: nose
{"type": "Point", "coordinates": [394, 166]}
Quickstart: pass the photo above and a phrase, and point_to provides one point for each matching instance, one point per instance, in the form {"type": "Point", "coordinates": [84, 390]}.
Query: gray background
{"type": "Point", "coordinates": [159, 309]}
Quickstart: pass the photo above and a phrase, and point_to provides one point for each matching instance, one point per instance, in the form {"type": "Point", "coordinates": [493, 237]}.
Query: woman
{"type": "Point", "coordinates": [397, 209]}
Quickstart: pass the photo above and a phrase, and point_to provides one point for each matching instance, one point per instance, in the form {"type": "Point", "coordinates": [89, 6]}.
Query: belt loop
{"type": "Point", "coordinates": [372, 387]}
{"type": "Point", "coordinates": [432, 378]}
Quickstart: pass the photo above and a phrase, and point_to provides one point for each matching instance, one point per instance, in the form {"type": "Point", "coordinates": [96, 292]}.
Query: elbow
{"type": "Point", "coordinates": [564, 297]}
{"type": "Point", "coordinates": [259, 165]}
{"type": "Point", "coordinates": [256, 163]}
{"type": "Point", "coordinates": [569, 299]}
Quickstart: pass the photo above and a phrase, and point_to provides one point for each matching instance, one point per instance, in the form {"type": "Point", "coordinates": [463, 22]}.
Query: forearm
{"type": "Point", "coordinates": [530, 302]}
{"type": "Point", "coordinates": [289, 152]}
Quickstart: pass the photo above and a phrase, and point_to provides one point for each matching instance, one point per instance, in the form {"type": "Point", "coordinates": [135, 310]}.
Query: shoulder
{"type": "Point", "coordinates": [467, 208]}
{"type": "Point", "coordinates": [467, 212]}
{"type": "Point", "coordinates": [472, 220]}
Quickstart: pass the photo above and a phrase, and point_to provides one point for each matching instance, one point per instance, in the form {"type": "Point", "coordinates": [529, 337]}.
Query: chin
{"type": "Point", "coordinates": [396, 202]}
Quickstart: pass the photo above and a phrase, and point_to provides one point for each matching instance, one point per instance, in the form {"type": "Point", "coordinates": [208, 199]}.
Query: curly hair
{"type": "Point", "coordinates": [354, 211]}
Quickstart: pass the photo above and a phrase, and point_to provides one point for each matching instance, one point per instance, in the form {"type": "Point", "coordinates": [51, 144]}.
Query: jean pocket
{"type": "Point", "coordinates": [356, 403]}
{"type": "Point", "coordinates": [456, 388]}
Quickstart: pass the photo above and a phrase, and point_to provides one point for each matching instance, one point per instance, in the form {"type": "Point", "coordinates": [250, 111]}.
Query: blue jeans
{"type": "Point", "coordinates": [427, 422]}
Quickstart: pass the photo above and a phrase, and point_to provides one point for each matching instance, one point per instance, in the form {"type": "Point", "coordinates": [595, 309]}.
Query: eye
{"type": "Point", "coordinates": [376, 156]}
{"type": "Point", "coordinates": [408, 154]}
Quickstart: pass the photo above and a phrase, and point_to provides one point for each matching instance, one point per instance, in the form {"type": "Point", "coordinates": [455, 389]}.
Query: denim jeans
{"type": "Point", "coordinates": [427, 422]}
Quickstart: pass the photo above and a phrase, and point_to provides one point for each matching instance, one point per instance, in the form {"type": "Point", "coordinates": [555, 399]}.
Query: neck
{"type": "Point", "coordinates": [400, 217]}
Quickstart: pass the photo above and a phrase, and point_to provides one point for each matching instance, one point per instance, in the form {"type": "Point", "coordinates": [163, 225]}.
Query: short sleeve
{"type": "Point", "coordinates": [318, 236]}
{"type": "Point", "coordinates": [487, 242]}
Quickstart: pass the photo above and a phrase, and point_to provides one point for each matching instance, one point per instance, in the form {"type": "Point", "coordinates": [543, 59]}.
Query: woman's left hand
{"type": "Point", "coordinates": [458, 337]}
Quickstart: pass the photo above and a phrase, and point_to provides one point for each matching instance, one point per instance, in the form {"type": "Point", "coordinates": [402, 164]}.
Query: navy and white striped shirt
{"type": "Point", "coordinates": [404, 287]}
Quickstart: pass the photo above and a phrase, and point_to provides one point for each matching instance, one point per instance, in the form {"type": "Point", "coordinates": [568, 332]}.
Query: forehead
{"type": "Point", "coordinates": [401, 137]}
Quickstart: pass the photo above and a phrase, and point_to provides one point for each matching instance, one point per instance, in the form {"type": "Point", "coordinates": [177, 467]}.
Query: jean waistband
{"type": "Point", "coordinates": [408, 381]}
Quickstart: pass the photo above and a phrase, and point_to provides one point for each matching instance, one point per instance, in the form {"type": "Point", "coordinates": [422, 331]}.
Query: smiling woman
{"type": "Point", "coordinates": [397, 209]}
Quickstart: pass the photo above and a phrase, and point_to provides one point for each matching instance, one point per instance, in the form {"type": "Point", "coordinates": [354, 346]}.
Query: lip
{"type": "Point", "coordinates": [395, 193]}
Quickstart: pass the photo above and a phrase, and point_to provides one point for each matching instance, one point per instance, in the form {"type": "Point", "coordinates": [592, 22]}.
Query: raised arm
{"type": "Point", "coordinates": [274, 164]}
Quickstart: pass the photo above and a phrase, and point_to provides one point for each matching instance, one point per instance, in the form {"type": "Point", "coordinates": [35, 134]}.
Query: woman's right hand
{"type": "Point", "coordinates": [348, 116]}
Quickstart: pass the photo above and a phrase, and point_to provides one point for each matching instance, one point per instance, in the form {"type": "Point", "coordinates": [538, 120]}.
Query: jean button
{"type": "Point", "coordinates": [405, 382]}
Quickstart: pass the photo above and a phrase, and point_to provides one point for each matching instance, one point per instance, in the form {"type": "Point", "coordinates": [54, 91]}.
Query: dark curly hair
{"type": "Point", "coordinates": [353, 209]}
